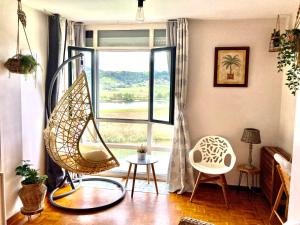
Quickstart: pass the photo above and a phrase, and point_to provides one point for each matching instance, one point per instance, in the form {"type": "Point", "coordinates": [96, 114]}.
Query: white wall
{"type": "Point", "coordinates": [227, 111]}
{"type": "Point", "coordinates": [288, 107]}
{"type": "Point", "coordinates": [294, 204]}
{"type": "Point", "coordinates": [294, 201]}
{"type": "Point", "coordinates": [22, 107]}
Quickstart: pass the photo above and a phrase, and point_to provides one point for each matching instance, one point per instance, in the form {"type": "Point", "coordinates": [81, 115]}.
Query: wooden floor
{"type": "Point", "coordinates": [152, 209]}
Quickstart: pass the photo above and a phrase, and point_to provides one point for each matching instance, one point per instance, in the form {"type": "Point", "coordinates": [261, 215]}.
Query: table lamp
{"type": "Point", "coordinates": [251, 136]}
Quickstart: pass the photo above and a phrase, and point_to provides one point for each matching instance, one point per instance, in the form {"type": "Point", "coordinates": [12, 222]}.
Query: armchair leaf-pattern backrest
{"type": "Point", "coordinates": [214, 150]}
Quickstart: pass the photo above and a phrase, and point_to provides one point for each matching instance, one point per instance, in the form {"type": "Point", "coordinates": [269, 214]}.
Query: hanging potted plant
{"type": "Point", "coordinates": [22, 64]}
{"type": "Point", "coordinates": [289, 56]}
{"type": "Point", "coordinates": [33, 191]}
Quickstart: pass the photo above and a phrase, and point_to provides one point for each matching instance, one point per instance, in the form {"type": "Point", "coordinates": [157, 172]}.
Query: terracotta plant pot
{"type": "Point", "coordinates": [230, 76]}
{"type": "Point", "coordinates": [32, 197]}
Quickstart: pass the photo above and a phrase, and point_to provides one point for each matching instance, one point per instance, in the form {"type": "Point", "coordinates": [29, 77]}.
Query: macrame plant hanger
{"type": "Point", "coordinates": [274, 45]}
{"type": "Point", "coordinates": [17, 62]}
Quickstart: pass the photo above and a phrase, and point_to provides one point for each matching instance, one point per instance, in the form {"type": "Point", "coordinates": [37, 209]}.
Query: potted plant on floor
{"type": "Point", "coordinates": [141, 152]}
{"type": "Point", "coordinates": [33, 191]}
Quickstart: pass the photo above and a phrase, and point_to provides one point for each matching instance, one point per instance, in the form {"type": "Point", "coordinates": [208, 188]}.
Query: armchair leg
{"type": "Point", "coordinates": [224, 188]}
{"type": "Point", "coordinates": [196, 186]}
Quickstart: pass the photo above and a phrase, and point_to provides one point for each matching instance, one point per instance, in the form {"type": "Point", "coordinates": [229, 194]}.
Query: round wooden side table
{"type": "Point", "coordinates": [148, 161]}
{"type": "Point", "coordinates": [253, 172]}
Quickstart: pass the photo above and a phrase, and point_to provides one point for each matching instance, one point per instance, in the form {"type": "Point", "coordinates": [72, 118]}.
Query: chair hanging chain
{"type": "Point", "coordinates": [22, 18]}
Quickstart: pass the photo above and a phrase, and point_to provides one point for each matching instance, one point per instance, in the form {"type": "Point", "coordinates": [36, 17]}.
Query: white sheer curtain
{"type": "Point", "coordinates": [180, 173]}
{"type": "Point", "coordinates": [73, 33]}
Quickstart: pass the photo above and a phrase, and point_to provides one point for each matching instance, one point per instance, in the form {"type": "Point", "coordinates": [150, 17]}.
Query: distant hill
{"type": "Point", "coordinates": [123, 78]}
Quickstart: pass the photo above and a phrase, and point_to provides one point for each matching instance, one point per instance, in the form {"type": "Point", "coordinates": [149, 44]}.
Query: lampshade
{"type": "Point", "coordinates": [251, 135]}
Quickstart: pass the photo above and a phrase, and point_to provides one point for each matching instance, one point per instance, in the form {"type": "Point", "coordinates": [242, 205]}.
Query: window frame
{"type": "Point", "coordinates": [172, 85]}
{"type": "Point", "coordinates": [96, 48]}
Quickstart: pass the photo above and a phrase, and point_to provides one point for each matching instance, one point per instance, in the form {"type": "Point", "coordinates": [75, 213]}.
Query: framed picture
{"type": "Point", "coordinates": [231, 66]}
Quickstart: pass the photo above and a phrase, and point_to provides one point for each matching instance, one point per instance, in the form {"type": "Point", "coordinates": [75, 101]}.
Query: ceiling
{"type": "Point", "coordinates": [114, 11]}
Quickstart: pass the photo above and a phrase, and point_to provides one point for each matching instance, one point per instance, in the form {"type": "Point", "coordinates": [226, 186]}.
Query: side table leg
{"type": "Point", "coordinates": [148, 179]}
{"type": "Point", "coordinates": [133, 182]}
{"type": "Point", "coordinates": [154, 178]}
{"type": "Point", "coordinates": [240, 180]}
{"type": "Point", "coordinates": [248, 180]}
{"type": "Point", "coordinates": [129, 169]}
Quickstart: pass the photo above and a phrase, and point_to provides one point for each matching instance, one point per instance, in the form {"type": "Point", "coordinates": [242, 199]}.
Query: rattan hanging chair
{"type": "Point", "coordinates": [71, 117]}
{"type": "Point", "coordinates": [67, 123]}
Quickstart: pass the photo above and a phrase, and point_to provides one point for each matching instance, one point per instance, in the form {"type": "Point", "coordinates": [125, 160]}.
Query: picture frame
{"type": "Point", "coordinates": [231, 66]}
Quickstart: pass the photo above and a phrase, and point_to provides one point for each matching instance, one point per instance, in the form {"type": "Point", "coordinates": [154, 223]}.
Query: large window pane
{"type": "Point", "coordinates": [162, 135]}
{"type": "Point", "coordinates": [162, 92]}
{"type": "Point", "coordinates": [161, 167]}
{"type": "Point", "coordinates": [160, 38]}
{"type": "Point", "coordinates": [123, 38]}
{"type": "Point", "coordinates": [123, 83]}
{"type": "Point", "coordinates": [123, 133]}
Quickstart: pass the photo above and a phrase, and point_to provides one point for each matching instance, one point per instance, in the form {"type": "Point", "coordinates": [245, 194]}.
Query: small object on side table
{"type": "Point", "coordinates": [141, 152]}
{"type": "Point", "coordinates": [254, 172]}
{"type": "Point", "coordinates": [148, 161]}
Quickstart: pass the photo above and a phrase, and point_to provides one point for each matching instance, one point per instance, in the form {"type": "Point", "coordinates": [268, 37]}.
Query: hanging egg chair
{"type": "Point", "coordinates": [71, 117]}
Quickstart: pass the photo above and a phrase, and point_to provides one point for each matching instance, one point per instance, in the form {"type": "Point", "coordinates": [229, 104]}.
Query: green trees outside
{"type": "Point", "coordinates": [126, 86]}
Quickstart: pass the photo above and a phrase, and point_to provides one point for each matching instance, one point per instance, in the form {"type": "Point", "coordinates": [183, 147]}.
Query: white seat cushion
{"type": "Point", "coordinates": [93, 152]}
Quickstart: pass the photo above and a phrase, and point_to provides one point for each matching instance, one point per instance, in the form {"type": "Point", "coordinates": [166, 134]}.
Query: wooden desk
{"type": "Point", "coordinates": [269, 178]}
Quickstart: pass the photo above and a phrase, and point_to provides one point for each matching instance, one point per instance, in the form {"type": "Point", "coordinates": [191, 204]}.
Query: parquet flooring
{"type": "Point", "coordinates": [152, 209]}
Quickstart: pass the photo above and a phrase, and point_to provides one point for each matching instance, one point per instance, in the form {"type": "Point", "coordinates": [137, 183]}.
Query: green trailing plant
{"type": "Point", "coordinates": [288, 57]}
{"type": "Point", "coordinates": [28, 64]}
{"type": "Point", "coordinates": [30, 175]}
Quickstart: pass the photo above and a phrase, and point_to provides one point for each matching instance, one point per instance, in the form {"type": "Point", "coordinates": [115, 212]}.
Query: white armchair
{"type": "Point", "coordinates": [216, 158]}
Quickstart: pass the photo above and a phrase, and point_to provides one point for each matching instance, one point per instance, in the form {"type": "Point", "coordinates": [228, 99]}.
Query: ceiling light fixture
{"type": "Point", "coordinates": [140, 11]}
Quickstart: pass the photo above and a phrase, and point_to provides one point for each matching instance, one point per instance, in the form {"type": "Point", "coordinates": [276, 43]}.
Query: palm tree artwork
{"type": "Point", "coordinates": [229, 61]}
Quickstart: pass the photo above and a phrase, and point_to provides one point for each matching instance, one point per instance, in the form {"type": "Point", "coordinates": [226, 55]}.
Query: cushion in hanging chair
{"type": "Point", "coordinates": [93, 152]}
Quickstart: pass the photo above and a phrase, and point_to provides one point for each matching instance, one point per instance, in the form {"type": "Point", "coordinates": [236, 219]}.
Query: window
{"type": "Point", "coordinates": [123, 38]}
{"type": "Point", "coordinates": [162, 85]}
{"type": "Point", "coordinates": [123, 77]}
{"type": "Point", "coordinates": [133, 91]}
